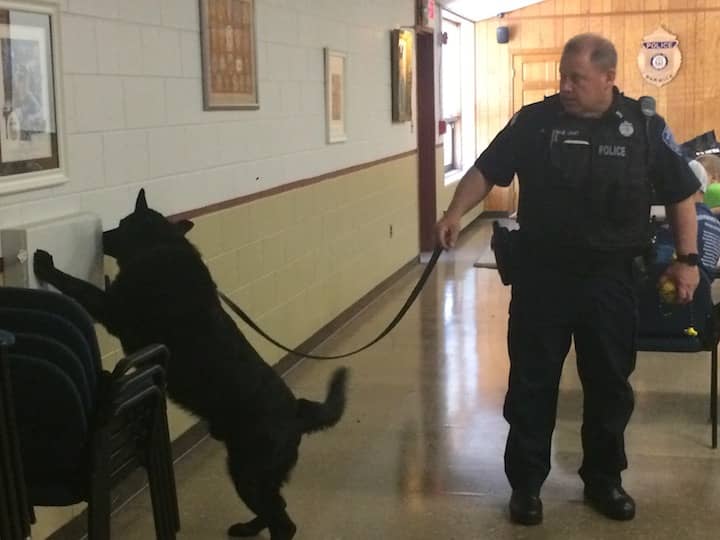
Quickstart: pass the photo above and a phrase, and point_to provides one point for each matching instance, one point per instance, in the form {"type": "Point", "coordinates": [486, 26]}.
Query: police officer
{"type": "Point", "coordinates": [587, 160]}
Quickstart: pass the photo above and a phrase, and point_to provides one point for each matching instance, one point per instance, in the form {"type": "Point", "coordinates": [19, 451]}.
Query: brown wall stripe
{"type": "Point", "coordinates": [190, 214]}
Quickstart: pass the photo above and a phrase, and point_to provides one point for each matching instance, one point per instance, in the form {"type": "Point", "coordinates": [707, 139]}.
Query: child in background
{"type": "Point", "coordinates": [708, 228]}
{"type": "Point", "coordinates": [711, 164]}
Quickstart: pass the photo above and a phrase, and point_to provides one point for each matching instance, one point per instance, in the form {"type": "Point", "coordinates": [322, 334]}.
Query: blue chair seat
{"type": "Point", "coordinates": [54, 352]}
{"type": "Point", "coordinates": [53, 326]}
{"type": "Point", "coordinates": [684, 344]}
{"type": "Point", "coordinates": [52, 425]}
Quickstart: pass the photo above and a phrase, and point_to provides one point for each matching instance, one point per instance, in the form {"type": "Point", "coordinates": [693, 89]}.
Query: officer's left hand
{"type": "Point", "coordinates": [685, 278]}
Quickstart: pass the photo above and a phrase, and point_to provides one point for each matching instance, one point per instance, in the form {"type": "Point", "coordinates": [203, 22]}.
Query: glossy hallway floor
{"type": "Point", "coordinates": [419, 454]}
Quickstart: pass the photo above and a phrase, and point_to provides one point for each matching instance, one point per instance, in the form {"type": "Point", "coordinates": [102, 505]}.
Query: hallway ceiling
{"type": "Point", "coordinates": [476, 10]}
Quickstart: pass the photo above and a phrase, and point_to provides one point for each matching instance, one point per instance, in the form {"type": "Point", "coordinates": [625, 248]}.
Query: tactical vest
{"type": "Point", "coordinates": [590, 188]}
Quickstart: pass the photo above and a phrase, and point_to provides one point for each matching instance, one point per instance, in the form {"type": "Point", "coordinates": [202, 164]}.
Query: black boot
{"type": "Point", "coordinates": [525, 508]}
{"type": "Point", "coordinates": [611, 501]}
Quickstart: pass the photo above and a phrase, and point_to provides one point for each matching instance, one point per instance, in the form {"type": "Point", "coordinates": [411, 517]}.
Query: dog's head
{"type": "Point", "coordinates": [143, 229]}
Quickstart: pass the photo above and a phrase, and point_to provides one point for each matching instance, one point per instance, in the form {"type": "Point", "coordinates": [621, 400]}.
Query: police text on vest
{"type": "Point", "coordinates": [612, 150]}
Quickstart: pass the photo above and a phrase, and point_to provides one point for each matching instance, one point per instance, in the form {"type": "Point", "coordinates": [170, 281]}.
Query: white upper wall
{"type": "Point", "coordinates": [476, 11]}
{"type": "Point", "coordinates": [130, 76]}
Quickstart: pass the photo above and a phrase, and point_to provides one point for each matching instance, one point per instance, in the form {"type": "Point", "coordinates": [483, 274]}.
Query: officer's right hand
{"type": "Point", "coordinates": [447, 230]}
{"type": "Point", "coordinates": [684, 280]}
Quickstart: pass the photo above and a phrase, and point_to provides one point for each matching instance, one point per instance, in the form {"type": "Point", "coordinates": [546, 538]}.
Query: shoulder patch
{"type": "Point", "coordinates": [669, 140]}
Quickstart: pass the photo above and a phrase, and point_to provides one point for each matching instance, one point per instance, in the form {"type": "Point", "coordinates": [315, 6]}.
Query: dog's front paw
{"type": "Point", "coordinates": [43, 265]}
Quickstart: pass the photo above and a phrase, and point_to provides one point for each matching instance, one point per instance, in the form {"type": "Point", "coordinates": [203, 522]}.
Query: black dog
{"type": "Point", "coordinates": [164, 293]}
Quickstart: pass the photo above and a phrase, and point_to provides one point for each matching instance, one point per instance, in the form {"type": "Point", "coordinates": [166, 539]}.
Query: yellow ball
{"type": "Point", "coordinates": [667, 291]}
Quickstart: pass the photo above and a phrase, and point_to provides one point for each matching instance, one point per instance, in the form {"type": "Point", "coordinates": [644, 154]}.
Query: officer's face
{"type": "Point", "coordinates": [585, 89]}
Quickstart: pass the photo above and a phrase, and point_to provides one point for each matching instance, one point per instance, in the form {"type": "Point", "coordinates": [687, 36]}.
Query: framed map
{"type": "Point", "coordinates": [229, 56]}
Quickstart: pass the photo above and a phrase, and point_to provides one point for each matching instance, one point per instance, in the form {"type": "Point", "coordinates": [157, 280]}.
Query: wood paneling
{"type": "Point", "coordinates": [688, 103]}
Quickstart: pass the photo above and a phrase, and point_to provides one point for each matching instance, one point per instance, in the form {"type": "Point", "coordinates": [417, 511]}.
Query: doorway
{"type": "Point", "coordinates": [535, 75]}
{"type": "Point", "coordinates": [427, 188]}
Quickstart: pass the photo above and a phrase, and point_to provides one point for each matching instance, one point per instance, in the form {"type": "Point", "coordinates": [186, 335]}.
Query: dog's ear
{"type": "Point", "coordinates": [140, 202]}
{"type": "Point", "coordinates": [184, 225]}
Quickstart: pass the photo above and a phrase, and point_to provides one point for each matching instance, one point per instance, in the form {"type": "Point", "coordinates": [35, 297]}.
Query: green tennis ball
{"type": "Point", "coordinates": [712, 196]}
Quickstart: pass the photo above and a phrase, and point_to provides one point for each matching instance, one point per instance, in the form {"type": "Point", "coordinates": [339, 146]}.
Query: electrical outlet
{"type": "Point", "coordinates": [391, 231]}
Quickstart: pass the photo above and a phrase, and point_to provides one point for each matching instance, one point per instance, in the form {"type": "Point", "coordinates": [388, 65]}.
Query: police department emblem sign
{"type": "Point", "coordinates": [659, 59]}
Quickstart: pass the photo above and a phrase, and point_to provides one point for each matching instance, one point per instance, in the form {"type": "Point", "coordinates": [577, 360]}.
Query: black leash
{"type": "Point", "coordinates": [413, 295]}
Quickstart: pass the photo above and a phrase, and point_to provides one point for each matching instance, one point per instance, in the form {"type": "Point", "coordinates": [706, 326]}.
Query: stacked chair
{"type": "Point", "coordinates": [667, 328]}
{"type": "Point", "coordinates": [14, 516]}
{"type": "Point", "coordinates": [69, 431]}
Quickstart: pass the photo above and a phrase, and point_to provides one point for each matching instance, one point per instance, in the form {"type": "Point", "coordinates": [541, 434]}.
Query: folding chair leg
{"type": "Point", "coordinates": [99, 499]}
{"type": "Point", "coordinates": [9, 511]}
{"type": "Point", "coordinates": [714, 395]}
{"type": "Point", "coordinates": [159, 478]}
{"type": "Point", "coordinates": [7, 519]}
{"type": "Point", "coordinates": [166, 471]}
{"type": "Point", "coordinates": [167, 464]}
{"type": "Point", "coordinates": [16, 506]}
{"type": "Point", "coordinates": [162, 463]}
{"type": "Point", "coordinates": [99, 515]}
{"type": "Point", "coordinates": [158, 493]}
{"type": "Point", "coordinates": [160, 508]}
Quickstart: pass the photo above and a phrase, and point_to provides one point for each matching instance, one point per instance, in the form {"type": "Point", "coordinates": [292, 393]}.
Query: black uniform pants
{"type": "Point", "coordinates": [548, 308]}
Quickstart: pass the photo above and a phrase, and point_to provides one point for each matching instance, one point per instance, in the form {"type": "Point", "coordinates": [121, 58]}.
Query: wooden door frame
{"type": "Point", "coordinates": [513, 108]}
{"type": "Point", "coordinates": [522, 52]}
{"type": "Point", "coordinates": [426, 139]}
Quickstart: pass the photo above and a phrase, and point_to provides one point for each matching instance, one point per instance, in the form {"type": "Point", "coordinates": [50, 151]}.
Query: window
{"type": "Point", "coordinates": [451, 94]}
{"type": "Point", "coordinates": [451, 144]}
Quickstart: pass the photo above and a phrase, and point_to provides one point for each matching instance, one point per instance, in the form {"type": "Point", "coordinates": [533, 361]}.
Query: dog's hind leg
{"type": "Point", "coordinates": [249, 528]}
{"type": "Point", "coordinates": [261, 494]}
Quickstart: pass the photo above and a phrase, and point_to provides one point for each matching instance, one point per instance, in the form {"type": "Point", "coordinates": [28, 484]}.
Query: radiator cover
{"type": "Point", "coordinates": [74, 241]}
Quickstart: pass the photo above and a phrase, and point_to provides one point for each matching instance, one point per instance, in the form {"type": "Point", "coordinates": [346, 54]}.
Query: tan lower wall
{"type": "Point", "coordinates": [445, 192]}
{"type": "Point", "coordinates": [296, 260]}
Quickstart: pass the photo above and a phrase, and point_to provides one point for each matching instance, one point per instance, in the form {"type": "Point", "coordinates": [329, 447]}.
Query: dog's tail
{"type": "Point", "coordinates": [315, 416]}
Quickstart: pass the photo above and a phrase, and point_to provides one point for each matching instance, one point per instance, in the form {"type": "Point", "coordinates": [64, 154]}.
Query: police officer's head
{"type": "Point", "coordinates": [587, 75]}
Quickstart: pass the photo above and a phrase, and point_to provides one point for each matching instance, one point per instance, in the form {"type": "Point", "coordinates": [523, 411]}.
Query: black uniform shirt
{"type": "Point", "coordinates": [593, 191]}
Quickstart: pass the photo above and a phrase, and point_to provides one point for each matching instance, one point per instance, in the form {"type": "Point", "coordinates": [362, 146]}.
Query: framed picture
{"type": "Point", "coordinates": [402, 55]}
{"type": "Point", "coordinates": [28, 128]}
{"type": "Point", "coordinates": [229, 55]}
{"type": "Point", "coordinates": [335, 95]}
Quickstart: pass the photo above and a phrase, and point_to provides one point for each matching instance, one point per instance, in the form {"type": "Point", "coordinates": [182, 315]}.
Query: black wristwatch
{"type": "Point", "coordinates": [691, 259]}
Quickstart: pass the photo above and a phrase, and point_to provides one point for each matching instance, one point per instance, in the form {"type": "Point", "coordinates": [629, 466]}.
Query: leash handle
{"type": "Point", "coordinates": [413, 295]}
